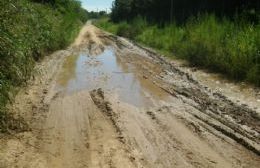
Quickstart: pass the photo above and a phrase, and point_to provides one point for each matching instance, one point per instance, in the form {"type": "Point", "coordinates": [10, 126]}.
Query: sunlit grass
{"type": "Point", "coordinates": [229, 47]}
{"type": "Point", "coordinates": [28, 31]}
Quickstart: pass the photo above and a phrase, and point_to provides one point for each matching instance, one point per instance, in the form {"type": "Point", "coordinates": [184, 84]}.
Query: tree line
{"type": "Point", "coordinates": [180, 10]}
{"type": "Point", "coordinates": [67, 6]}
{"type": "Point", "coordinates": [221, 35]}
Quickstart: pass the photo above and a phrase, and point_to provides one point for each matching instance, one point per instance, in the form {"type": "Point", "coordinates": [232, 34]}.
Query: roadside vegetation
{"type": "Point", "coordinates": [29, 30]}
{"type": "Point", "coordinates": [220, 36]}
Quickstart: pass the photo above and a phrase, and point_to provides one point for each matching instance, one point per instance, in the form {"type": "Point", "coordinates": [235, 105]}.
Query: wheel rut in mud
{"type": "Point", "coordinates": [107, 102]}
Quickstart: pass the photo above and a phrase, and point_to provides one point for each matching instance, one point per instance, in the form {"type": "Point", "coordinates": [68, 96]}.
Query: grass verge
{"type": "Point", "coordinates": [229, 47]}
{"type": "Point", "coordinates": [28, 31]}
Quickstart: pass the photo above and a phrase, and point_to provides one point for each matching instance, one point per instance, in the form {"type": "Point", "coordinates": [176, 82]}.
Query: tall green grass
{"type": "Point", "coordinates": [28, 31]}
{"type": "Point", "coordinates": [123, 28]}
{"type": "Point", "coordinates": [107, 25]}
{"type": "Point", "coordinates": [222, 45]}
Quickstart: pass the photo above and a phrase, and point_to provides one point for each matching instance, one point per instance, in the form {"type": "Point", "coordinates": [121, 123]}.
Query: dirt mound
{"type": "Point", "coordinates": [99, 99]}
{"type": "Point", "coordinates": [10, 123]}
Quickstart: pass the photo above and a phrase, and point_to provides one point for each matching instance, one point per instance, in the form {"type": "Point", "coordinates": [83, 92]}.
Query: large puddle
{"type": "Point", "coordinates": [109, 72]}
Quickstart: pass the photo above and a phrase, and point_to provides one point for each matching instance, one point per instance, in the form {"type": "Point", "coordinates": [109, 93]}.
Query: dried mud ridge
{"type": "Point", "coordinates": [98, 98]}
{"type": "Point", "coordinates": [219, 107]}
{"type": "Point", "coordinates": [232, 117]}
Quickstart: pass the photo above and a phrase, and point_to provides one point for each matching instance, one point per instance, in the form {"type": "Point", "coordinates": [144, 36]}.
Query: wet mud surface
{"type": "Point", "coordinates": [109, 72]}
{"type": "Point", "coordinates": [107, 102]}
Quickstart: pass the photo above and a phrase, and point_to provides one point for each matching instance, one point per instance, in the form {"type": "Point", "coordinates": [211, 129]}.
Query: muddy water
{"type": "Point", "coordinates": [109, 72]}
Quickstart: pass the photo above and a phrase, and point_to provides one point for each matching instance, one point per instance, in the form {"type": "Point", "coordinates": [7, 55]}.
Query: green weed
{"type": "Point", "coordinates": [28, 31]}
{"type": "Point", "coordinates": [222, 45]}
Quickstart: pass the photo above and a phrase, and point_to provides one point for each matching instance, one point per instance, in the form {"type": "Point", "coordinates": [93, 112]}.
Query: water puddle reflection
{"type": "Point", "coordinates": [109, 72]}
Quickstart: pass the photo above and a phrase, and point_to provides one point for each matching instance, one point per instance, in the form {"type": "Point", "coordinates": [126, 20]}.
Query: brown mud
{"type": "Point", "coordinates": [107, 102]}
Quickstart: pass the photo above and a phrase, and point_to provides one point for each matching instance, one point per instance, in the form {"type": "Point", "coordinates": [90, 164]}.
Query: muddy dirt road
{"type": "Point", "coordinates": [106, 102]}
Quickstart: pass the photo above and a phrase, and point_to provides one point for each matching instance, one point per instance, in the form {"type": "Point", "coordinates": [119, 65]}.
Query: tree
{"type": "Point", "coordinates": [179, 10]}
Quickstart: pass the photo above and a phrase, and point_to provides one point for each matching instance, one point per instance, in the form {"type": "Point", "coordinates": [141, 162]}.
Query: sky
{"type": "Point", "coordinates": [94, 5]}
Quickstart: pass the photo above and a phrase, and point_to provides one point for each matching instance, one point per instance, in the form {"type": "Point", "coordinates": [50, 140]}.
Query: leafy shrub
{"type": "Point", "coordinates": [133, 29]}
{"type": "Point", "coordinates": [107, 25]}
{"type": "Point", "coordinates": [124, 29]}
{"type": "Point", "coordinates": [28, 31]}
{"type": "Point", "coordinates": [222, 45]}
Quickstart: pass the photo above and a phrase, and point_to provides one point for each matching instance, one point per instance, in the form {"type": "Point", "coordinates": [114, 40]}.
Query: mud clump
{"type": "Point", "coordinates": [10, 124]}
{"type": "Point", "coordinates": [99, 100]}
{"type": "Point", "coordinates": [151, 114]}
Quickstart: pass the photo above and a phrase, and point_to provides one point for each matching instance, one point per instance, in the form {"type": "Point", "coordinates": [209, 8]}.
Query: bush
{"type": "Point", "coordinates": [133, 29]}
{"type": "Point", "coordinates": [124, 29]}
{"type": "Point", "coordinates": [222, 45]}
{"type": "Point", "coordinates": [28, 31]}
{"type": "Point", "coordinates": [107, 25]}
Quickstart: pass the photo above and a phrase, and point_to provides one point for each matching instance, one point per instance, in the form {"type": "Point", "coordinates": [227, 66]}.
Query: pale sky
{"type": "Point", "coordinates": [94, 5]}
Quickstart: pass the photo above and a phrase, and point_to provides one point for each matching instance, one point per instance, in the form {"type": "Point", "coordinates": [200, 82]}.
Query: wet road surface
{"type": "Point", "coordinates": [106, 102]}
